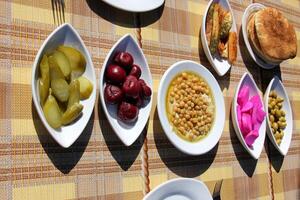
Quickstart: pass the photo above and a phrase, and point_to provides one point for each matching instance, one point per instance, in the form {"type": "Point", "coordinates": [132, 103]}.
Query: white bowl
{"type": "Point", "coordinates": [257, 146]}
{"type": "Point", "coordinates": [277, 85]}
{"type": "Point", "coordinates": [65, 35]}
{"type": "Point", "coordinates": [135, 5]}
{"type": "Point", "coordinates": [221, 65]}
{"type": "Point", "coordinates": [252, 8]}
{"type": "Point", "coordinates": [180, 189]}
{"type": "Point", "coordinates": [127, 133]}
{"type": "Point", "coordinates": [208, 142]}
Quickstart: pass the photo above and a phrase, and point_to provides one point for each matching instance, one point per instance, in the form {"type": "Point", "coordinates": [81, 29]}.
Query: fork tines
{"type": "Point", "coordinates": [58, 9]}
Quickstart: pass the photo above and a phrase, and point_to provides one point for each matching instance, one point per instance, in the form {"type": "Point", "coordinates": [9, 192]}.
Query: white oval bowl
{"type": "Point", "coordinates": [135, 5]}
{"type": "Point", "coordinates": [221, 65]}
{"type": "Point", "coordinates": [208, 142]}
{"type": "Point", "coordinates": [180, 188]}
{"type": "Point", "coordinates": [257, 146]}
{"type": "Point", "coordinates": [247, 13]}
{"type": "Point", "coordinates": [127, 133]}
{"type": "Point", "coordinates": [65, 35]}
{"type": "Point", "coordinates": [276, 84]}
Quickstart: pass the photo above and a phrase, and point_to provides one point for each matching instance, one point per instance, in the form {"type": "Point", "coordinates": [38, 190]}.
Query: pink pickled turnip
{"type": "Point", "coordinates": [260, 115]}
{"type": "Point", "coordinates": [256, 101]}
{"type": "Point", "coordinates": [251, 137]}
{"type": "Point", "coordinates": [256, 126]}
{"type": "Point", "coordinates": [243, 95]}
{"type": "Point", "coordinates": [239, 114]}
{"type": "Point", "coordinates": [246, 123]}
{"type": "Point", "coordinates": [247, 106]}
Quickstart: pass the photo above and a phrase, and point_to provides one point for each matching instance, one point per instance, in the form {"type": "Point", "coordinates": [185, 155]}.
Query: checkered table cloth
{"type": "Point", "coordinates": [98, 165]}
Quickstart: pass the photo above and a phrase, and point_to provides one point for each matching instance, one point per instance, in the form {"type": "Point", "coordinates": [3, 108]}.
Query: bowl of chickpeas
{"type": "Point", "coordinates": [280, 118]}
{"type": "Point", "coordinates": [191, 107]}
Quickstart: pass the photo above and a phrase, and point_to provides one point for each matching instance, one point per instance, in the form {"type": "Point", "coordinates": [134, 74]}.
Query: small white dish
{"type": "Point", "coordinates": [127, 133]}
{"type": "Point", "coordinates": [180, 189]}
{"type": "Point", "coordinates": [208, 142]}
{"type": "Point", "coordinates": [135, 5]}
{"type": "Point", "coordinates": [221, 65]}
{"type": "Point", "coordinates": [257, 146]}
{"type": "Point", "coordinates": [65, 35]}
{"type": "Point", "coordinates": [276, 84]}
{"type": "Point", "coordinates": [251, 9]}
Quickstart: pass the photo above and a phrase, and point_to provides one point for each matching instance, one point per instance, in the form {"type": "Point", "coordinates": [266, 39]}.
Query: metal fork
{"type": "Point", "coordinates": [58, 10]}
{"type": "Point", "coordinates": [217, 190]}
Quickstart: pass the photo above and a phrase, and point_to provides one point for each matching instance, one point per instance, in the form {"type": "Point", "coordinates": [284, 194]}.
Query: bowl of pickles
{"type": "Point", "coordinates": [280, 117]}
{"type": "Point", "coordinates": [63, 85]}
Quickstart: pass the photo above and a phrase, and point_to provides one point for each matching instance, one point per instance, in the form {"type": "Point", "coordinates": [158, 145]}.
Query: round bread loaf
{"type": "Point", "coordinates": [276, 36]}
{"type": "Point", "coordinates": [254, 42]}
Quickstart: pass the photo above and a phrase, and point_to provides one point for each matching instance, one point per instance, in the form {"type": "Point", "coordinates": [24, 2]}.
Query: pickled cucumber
{"type": "Point", "coordinates": [71, 113]}
{"type": "Point", "coordinates": [74, 93]}
{"type": "Point", "coordinates": [86, 87]}
{"type": "Point", "coordinates": [52, 112]}
{"type": "Point", "coordinates": [60, 89]}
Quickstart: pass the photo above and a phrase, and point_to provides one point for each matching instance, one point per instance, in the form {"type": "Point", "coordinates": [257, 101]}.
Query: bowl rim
{"type": "Point", "coordinates": [37, 59]}
{"type": "Point", "coordinates": [174, 180]}
{"type": "Point", "coordinates": [235, 120]}
{"type": "Point", "coordinates": [204, 40]}
{"type": "Point", "coordinates": [270, 133]}
{"type": "Point", "coordinates": [101, 85]}
{"type": "Point", "coordinates": [163, 118]}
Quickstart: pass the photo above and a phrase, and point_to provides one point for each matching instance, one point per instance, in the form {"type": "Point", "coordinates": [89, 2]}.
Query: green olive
{"type": "Point", "coordinates": [278, 141]}
{"type": "Point", "coordinates": [278, 113]}
{"type": "Point", "coordinates": [282, 113]}
{"type": "Point", "coordinates": [273, 111]}
{"type": "Point", "coordinates": [273, 103]}
{"type": "Point", "coordinates": [272, 119]}
{"type": "Point", "coordinates": [282, 119]}
{"type": "Point", "coordinates": [282, 124]}
{"type": "Point", "coordinates": [275, 126]}
{"type": "Point", "coordinates": [279, 105]}
{"type": "Point", "coordinates": [277, 135]}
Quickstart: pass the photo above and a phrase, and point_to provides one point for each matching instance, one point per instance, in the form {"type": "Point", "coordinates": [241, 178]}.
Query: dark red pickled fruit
{"type": "Point", "coordinates": [136, 71]}
{"type": "Point", "coordinates": [139, 102]}
{"type": "Point", "coordinates": [127, 112]}
{"type": "Point", "coordinates": [145, 89]}
{"type": "Point", "coordinates": [115, 74]}
{"type": "Point", "coordinates": [113, 94]}
{"type": "Point", "coordinates": [124, 59]}
{"type": "Point", "coordinates": [131, 87]}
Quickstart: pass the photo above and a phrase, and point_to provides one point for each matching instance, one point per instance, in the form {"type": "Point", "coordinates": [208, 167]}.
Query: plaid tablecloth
{"type": "Point", "coordinates": [98, 166]}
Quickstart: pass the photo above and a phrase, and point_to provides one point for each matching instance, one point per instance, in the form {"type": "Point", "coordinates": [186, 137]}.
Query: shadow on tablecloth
{"type": "Point", "coordinates": [64, 159]}
{"type": "Point", "coordinates": [124, 155]}
{"type": "Point", "coordinates": [124, 18]}
{"type": "Point", "coordinates": [179, 163]}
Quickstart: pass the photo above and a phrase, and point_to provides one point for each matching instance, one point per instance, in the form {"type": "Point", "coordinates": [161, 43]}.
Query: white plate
{"type": "Point", "coordinates": [207, 143]}
{"type": "Point", "coordinates": [257, 146]}
{"type": "Point", "coordinates": [277, 85]}
{"type": "Point", "coordinates": [65, 35]}
{"type": "Point", "coordinates": [180, 189]}
{"type": "Point", "coordinates": [135, 5]}
{"type": "Point", "coordinates": [252, 8]}
{"type": "Point", "coordinates": [127, 133]}
{"type": "Point", "coordinates": [219, 64]}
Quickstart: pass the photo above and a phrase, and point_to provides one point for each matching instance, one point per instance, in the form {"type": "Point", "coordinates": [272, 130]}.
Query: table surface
{"type": "Point", "coordinates": [98, 165]}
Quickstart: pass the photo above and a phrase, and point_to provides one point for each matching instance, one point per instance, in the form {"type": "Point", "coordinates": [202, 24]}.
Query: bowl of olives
{"type": "Point", "coordinates": [280, 117]}
{"type": "Point", "coordinates": [63, 85]}
{"type": "Point", "coordinates": [126, 89]}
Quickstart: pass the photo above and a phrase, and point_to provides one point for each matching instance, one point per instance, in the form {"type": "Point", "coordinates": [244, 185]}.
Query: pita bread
{"type": "Point", "coordinates": [276, 36]}
{"type": "Point", "coordinates": [254, 42]}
